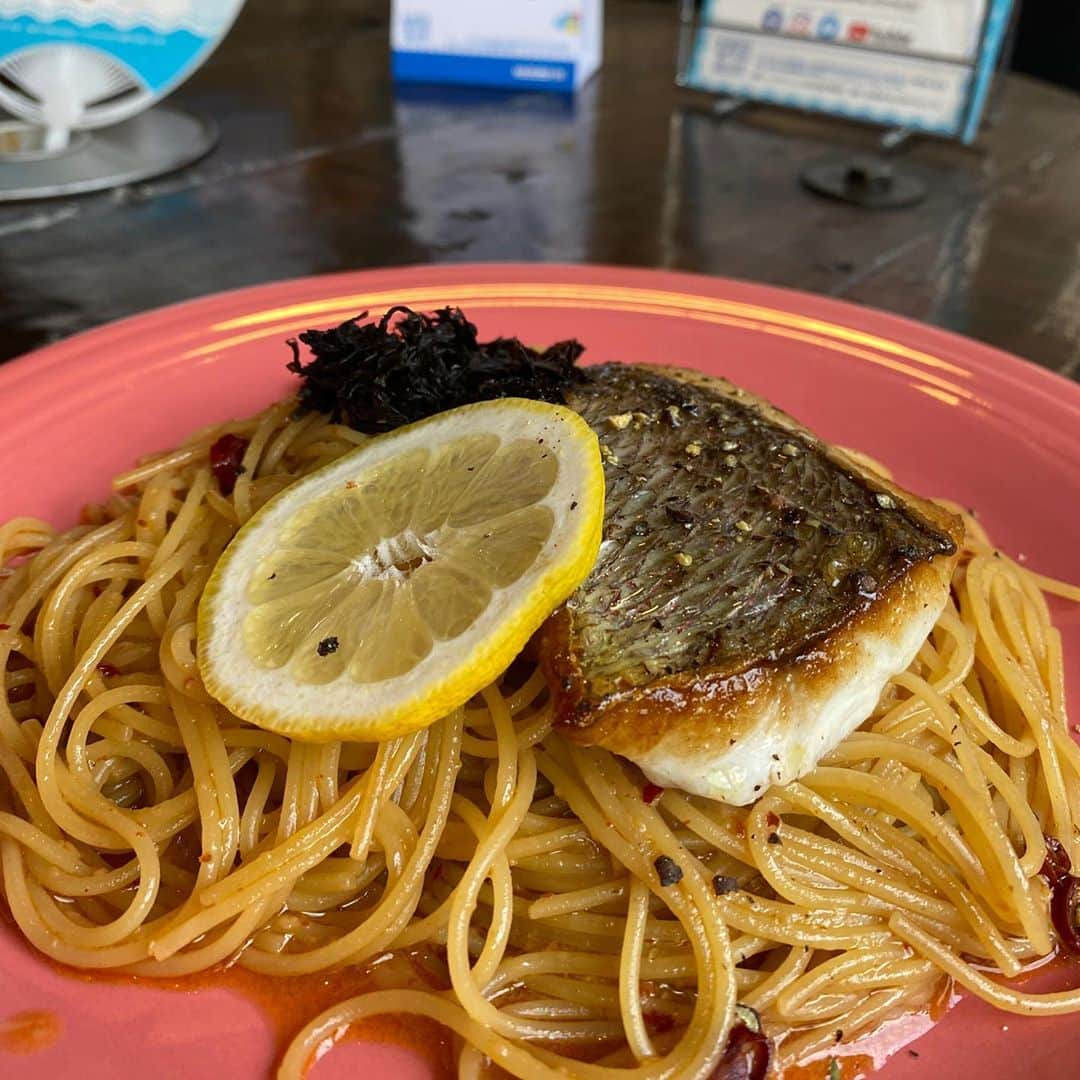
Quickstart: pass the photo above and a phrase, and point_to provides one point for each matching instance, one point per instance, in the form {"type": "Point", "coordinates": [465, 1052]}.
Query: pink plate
{"type": "Point", "coordinates": [952, 417]}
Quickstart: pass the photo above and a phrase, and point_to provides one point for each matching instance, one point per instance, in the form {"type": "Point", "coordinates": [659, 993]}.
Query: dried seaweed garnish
{"type": "Point", "coordinates": [376, 376]}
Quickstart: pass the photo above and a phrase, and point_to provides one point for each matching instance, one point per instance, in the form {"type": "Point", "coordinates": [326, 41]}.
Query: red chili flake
{"type": "Point", "coordinates": [772, 819]}
{"type": "Point", "coordinates": [5, 626]}
{"type": "Point", "coordinates": [1064, 905]}
{"type": "Point", "coordinates": [226, 461]}
{"type": "Point", "coordinates": [1057, 865]}
{"type": "Point", "coordinates": [107, 669]}
{"type": "Point", "coordinates": [657, 1021]}
{"type": "Point", "coordinates": [650, 793]}
{"type": "Point", "coordinates": [747, 1055]}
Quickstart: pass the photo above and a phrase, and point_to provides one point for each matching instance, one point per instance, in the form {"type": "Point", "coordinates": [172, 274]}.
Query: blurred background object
{"type": "Point", "coordinates": [515, 44]}
{"type": "Point", "coordinates": [326, 164]}
{"type": "Point", "coordinates": [81, 79]}
{"type": "Point", "coordinates": [925, 65]}
{"type": "Point", "coordinates": [1048, 41]}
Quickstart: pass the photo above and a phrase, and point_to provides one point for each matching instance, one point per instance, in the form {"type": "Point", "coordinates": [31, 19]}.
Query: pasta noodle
{"type": "Point", "coordinates": [145, 829]}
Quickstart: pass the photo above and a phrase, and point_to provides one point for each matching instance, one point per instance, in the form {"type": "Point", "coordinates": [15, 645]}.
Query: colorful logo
{"type": "Point", "coordinates": [828, 28]}
{"type": "Point", "coordinates": [801, 22]}
{"type": "Point", "coordinates": [858, 32]}
{"type": "Point", "coordinates": [773, 20]}
{"type": "Point", "coordinates": [569, 22]}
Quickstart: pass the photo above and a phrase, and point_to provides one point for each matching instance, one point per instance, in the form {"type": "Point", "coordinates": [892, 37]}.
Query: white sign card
{"type": "Point", "coordinates": [919, 64]}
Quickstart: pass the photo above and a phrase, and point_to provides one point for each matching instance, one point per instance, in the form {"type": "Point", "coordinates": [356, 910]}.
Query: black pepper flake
{"type": "Point", "coordinates": [865, 584]}
{"type": "Point", "coordinates": [573, 505]}
{"type": "Point", "coordinates": [668, 871]}
{"type": "Point", "coordinates": [679, 514]}
{"type": "Point", "coordinates": [838, 1035]}
{"type": "Point", "coordinates": [327, 646]}
{"type": "Point", "coordinates": [774, 838]}
{"type": "Point", "coordinates": [723, 884]}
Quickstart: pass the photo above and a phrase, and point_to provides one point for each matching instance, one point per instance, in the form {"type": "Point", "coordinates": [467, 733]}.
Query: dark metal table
{"type": "Point", "coordinates": [324, 166]}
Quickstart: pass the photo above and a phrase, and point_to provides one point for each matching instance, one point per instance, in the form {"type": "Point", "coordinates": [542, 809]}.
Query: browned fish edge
{"type": "Point", "coordinates": [709, 706]}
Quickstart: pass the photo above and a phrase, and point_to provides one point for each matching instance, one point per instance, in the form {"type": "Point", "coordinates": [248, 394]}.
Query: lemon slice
{"type": "Point", "coordinates": [377, 594]}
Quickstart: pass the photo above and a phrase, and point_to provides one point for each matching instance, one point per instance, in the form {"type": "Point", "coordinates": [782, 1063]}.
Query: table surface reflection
{"type": "Point", "coordinates": [324, 165]}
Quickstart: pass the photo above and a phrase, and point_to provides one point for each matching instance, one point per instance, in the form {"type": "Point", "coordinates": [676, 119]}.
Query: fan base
{"type": "Point", "coordinates": [159, 140]}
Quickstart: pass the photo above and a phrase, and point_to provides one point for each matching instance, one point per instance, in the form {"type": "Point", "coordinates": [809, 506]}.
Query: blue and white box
{"type": "Point", "coordinates": [536, 44]}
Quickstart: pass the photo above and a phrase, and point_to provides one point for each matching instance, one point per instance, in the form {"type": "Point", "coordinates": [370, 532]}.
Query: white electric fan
{"type": "Point", "coordinates": [81, 77]}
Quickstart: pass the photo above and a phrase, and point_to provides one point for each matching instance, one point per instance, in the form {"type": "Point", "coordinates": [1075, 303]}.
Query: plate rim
{"type": "Point", "coordinates": [992, 362]}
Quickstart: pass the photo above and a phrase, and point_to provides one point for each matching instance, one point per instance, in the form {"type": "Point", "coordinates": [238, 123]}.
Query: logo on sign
{"type": "Point", "coordinates": [569, 23]}
{"type": "Point", "coordinates": [858, 32]}
{"type": "Point", "coordinates": [828, 28]}
{"type": "Point", "coordinates": [773, 20]}
{"type": "Point", "coordinates": [800, 23]}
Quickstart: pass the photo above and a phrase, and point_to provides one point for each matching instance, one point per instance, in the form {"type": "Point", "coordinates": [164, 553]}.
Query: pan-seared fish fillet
{"type": "Point", "coordinates": [755, 590]}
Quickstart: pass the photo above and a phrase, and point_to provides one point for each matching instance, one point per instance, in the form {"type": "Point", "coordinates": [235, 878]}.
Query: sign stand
{"type": "Point", "coordinates": [870, 183]}
{"type": "Point", "coordinates": [80, 80]}
{"type": "Point", "coordinates": [812, 69]}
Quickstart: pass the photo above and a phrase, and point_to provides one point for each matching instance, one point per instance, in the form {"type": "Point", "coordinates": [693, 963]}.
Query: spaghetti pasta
{"type": "Point", "coordinates": [145, 829]}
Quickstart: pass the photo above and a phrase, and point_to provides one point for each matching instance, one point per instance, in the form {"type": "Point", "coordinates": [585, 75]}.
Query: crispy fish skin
{"type": "Point", "coordinates": [755, 590]}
